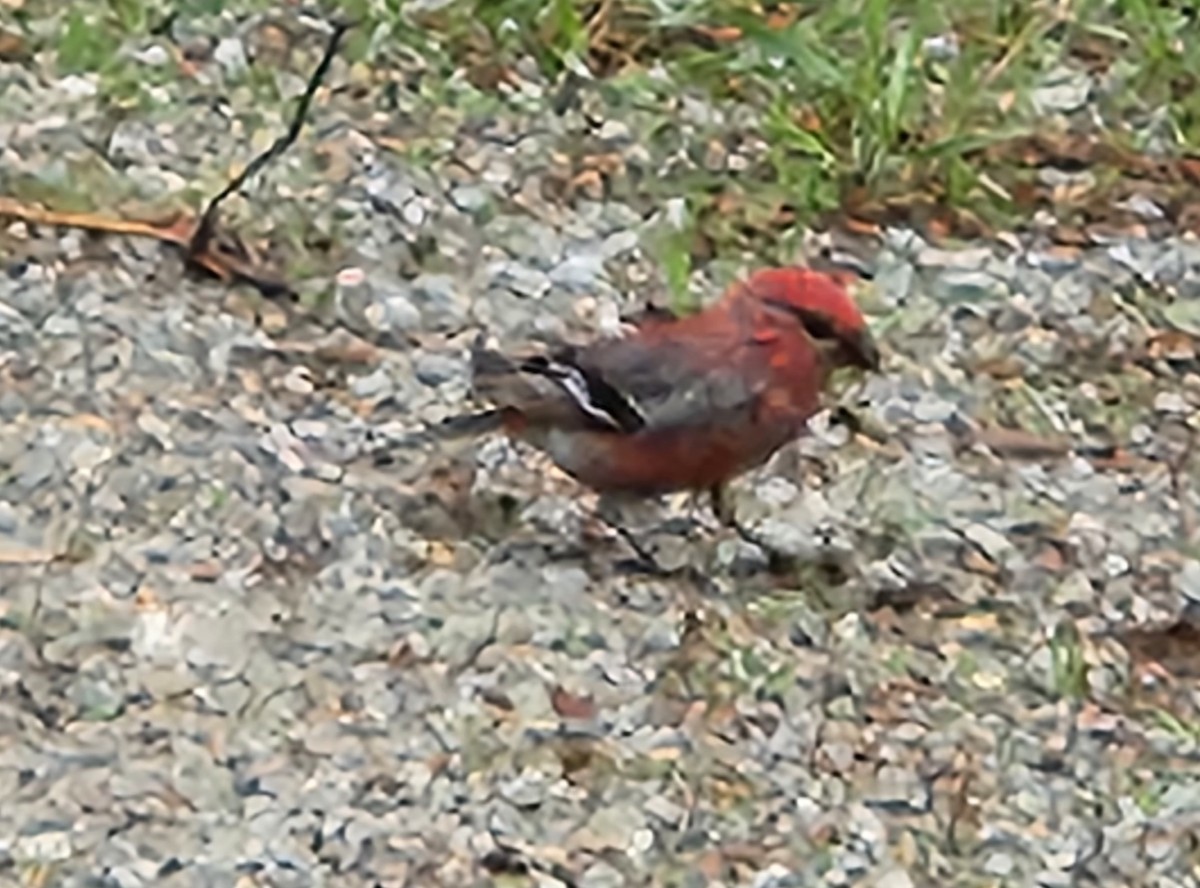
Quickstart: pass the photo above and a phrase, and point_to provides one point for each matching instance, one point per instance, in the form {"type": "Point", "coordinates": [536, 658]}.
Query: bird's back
{"type": "Point", "coordinates": [719, 391]}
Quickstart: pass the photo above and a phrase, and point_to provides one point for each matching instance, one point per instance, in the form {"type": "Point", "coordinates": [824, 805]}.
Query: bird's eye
{"type": "Point", "coordinates": [818, 325]}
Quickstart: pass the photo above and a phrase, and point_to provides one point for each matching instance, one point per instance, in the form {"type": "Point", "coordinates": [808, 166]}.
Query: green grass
{"type": "Point", "coordinates": [857, 101]}
{"type": "Point", "coordinates": [1069, 671]}
{"type": "Point", "coordinates": [897, 109]}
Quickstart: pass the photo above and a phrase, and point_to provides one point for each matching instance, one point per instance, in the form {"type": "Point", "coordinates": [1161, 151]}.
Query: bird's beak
{"type": "Point", "coordinates": [861, 350]}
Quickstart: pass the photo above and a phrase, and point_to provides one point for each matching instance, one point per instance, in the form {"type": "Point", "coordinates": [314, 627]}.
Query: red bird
{"type": "Point", "coordinates": [682, 403]}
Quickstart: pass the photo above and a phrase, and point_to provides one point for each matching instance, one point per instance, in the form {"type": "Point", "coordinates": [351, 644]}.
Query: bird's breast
{"type": "Point", "coordinates": [665, 460]}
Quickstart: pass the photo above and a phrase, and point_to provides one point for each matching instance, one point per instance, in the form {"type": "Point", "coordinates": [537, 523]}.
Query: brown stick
{"type": "Point", "coordinates": [205, 228]}
{"type": "Point", "coordinates": [224, 257]}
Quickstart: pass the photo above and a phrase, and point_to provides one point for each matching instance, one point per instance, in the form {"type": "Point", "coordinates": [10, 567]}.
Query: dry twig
{"type": "Point", "coordinates": [203, 246]}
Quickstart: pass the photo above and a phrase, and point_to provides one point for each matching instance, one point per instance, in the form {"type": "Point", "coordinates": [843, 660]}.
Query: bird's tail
{"type": "Point", "coordinates": [491, 371]}
{"type": "Point", "coordinates": [468, 424]}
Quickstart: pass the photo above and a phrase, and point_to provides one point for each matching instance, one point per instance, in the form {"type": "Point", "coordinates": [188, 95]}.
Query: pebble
{"type": "Point", "coordinates": [893, 878]}
{"type": "Point", "coordinates": [899, 789]}
{"type": "Point", "coordinates": [229, 651]}
{"type": "Point", "coordinates": [230, 54]}
{"type": "Point", "coordinates": [1189, 579]}
{"type": "Point", "coordinates": [1063, 90]}
{"type": "Point", "coordinates": [998, 864]}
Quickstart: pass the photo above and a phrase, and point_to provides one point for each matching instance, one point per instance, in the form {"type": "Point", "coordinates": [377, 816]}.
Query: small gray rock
{"type": "Point", "coordinates": [230, 54]}
{"type": "Point", "coordinates": [441, 301]}
{"type": "Point", "coordinates": [899, 789]}
{"type": "Point", "coordinates": [893, 877]}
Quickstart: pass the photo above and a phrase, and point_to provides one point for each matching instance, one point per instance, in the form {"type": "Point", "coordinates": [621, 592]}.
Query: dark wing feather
{"type": "Point", "coordinates": [551, 390]}
{"type": "Point", "coordinates": [681, 382]}
{"type": "Point", "coordinates": [662, 376]}
{"type": "Point", "coordinates": [591, 392]}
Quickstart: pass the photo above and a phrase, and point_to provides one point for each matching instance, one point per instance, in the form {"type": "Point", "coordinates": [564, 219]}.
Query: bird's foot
{"type": "Point", "coordinates": [647, 558]}
{"type": "Point", "coordinates": [643, 561]}
{"type": "Point", "coordinates": [777, 562]}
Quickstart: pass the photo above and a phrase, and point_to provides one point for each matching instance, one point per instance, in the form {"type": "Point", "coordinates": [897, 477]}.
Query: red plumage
{"type": "Point", "coordinates": [683, 403]}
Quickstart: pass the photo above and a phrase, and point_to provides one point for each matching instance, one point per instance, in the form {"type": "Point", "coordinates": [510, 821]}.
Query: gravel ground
{"type": "Point", "coordinates": [232, 652]}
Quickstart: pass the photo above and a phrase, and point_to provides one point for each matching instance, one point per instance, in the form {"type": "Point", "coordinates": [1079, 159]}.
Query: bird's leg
{"type": "Point", "coordinates": [727, 514]}
{"type": "Point", "coordinates": [645, 559]}
{"type": "Point", "coordinates": [697, 581]}
{"type": "Point", "coordinates": [721, 506]}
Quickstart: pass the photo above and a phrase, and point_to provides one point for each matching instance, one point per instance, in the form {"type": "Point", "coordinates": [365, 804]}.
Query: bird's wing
{"type": "Point", "coordinates": [666, 376]}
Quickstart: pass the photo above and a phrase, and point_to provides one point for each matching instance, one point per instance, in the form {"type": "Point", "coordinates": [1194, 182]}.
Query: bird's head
{"type": "Point", "coordinates": [823, 306]}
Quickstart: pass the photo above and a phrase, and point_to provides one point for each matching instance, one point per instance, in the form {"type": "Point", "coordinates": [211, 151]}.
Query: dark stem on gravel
{"type": "Point", "coordinates": [1179, 469]}
{"type": "Point", "coordinates": [208, 221]}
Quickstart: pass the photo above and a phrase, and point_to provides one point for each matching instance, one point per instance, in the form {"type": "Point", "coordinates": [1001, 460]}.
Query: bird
{"type": "Point", "coordinates": [679, 403]}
